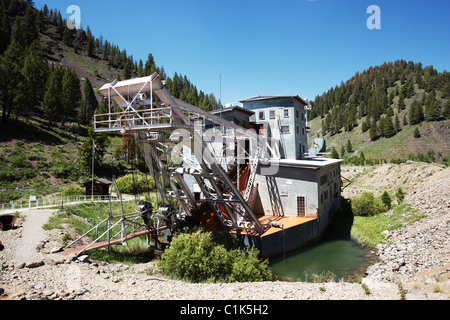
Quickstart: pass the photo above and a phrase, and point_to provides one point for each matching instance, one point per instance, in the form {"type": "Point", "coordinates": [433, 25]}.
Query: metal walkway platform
{"type": "Point", "coordinates": [102, 244]}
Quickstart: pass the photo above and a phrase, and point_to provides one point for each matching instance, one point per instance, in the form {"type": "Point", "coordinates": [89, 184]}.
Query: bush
{"type": "Point", "coordinates": [367, 205]}
{"type": "Point", "coordinates": [197, 257]}
{"type": "Point", "coordinates": [135, 183]}
{"type": "Point", "coordinates": [400, 194]}
{"type": "Point", "coordinates": [73, 189]}
{"type": "Point", "coordinates": [386, 199]}
{"type": "Point", "coordinates": [9, 195]}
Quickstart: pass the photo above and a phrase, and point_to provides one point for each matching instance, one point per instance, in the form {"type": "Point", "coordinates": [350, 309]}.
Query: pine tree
{"type": "Point", "coordinates": [388, 127]}
{"type": "Point", "coordinates": [11, 78]}
{"type": "Point", "coordinates": [14, 8]}
{"type": "Point", "coordinates": [35, 72]}
{"type": "Point", "coordinates": [386, 199]}
{"type": "Point", "coordinates": [5, 30]}
{"type": "Point", "coordinates": [334, 153]}
{"type": "Point", "coordinates": [416, 115]}
{"type": "Point", "coordinates": [401, 103]}
{"type": "Point", "coordinates": [416, 133]}
{"type": "Point", "coordinates": [373, 131]}
{"type": "Point", "coordinates": [89, 103]}
{"type": "Point", "coordinates": [447, 109]}
{"type": "Point", "coordinates": [71, 94]}
{"type": "Point", "coordinates": [364, 127]}
{"type": "Point", "coordinates": [85, 151]}
{"type": "Point", "coordinates": [349, 146]}
{"type": "Point", "coordinates": [128, 69]}
{"type": "Point", "coordinates": [90, 43]}
{"type": "Point", "coordinates": [400, 195]}
{"type": "Point", "coordinates": [52, 99]}
{"type": "Point", "coordinates": [397, 123]}
{"type": "Point", "coordinates": [105, 50]}
{"type": "Point", "coordinates": [433, 111]}
{"type": "Point", "coordinates": [29, 28]}
{"type": "Point", "coordinates": [45, 10]}
{"type": "Point", "coordinates": [150, 66]}
{"type": "Point", "coordinates": [69, 36]}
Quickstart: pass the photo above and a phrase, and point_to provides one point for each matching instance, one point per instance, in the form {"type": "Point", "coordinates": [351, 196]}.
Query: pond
{"type": "Point", "coordinates": [335, 253]}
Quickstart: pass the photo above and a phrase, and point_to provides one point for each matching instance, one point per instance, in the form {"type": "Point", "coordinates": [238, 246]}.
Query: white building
{"type": "Point", "coordinates": [283, 118]}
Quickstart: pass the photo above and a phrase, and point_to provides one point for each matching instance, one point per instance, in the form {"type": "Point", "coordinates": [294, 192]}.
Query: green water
{"type": "Point", "coordinates": [339, 255]}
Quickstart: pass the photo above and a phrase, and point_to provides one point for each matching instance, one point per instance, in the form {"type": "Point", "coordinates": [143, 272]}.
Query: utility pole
{"type": "Point", "coordinates": [93, 155]}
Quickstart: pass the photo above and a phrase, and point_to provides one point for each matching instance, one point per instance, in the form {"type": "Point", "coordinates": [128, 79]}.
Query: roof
{"type": "Point", "coordinates": [232, 109]}
{"type": "Point", "coordinates": [310, 162]}
{"type": "Point", "coordinates": [125, 86]}
{"type": "Point", "coordinates": [270, 97]}
{"type": "Point", "coordinates": [101, 180]}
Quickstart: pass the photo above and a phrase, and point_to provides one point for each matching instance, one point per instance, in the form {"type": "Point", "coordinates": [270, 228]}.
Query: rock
{"type": "Point", "coordinates": [35, 264]}
{"type": "Point", "coordinates": [56, 250]}
{"type": "Point", "coordinates": [70, 258]}
{"type": "Point", "coordinates": [39, 286]}
{"type": "Point", "coordinates": [40, 245]}
{"type": "Point", "coordinates": [84, 258]}
{"type": "Point", "coordinates": [48, 293]}
{"type": "Point", "coordinates": [80, 291]}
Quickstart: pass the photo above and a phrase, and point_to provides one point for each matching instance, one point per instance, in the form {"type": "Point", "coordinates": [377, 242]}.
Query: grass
{"type": "Point", "coordinates": [84, 216]}
{"type": "Point", "coordinates": [369, 230]}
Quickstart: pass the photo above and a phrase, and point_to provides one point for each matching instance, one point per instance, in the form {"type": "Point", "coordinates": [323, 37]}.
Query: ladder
{"type": "Point", "coordinates": [252, 176]}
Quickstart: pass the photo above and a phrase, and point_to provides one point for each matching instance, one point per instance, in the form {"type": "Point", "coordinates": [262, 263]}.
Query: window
{"type": "Point", "coordinates": [296, 114]}
{"type": "Point", "coordinates": [261, 115]}
{"type": "Point", "coordinates": [284, 129]}
{"type": "Point", "coordinates": [286, 113]}
{"type": "Point", "coordinates": [323, 179]}
{"type": "Point", "coordinates": [301, 206]}
{"type": "Point", "coordinates": [303, 131]}
{"type": "Point", "coordinates": [297, 130]}
{"type": "Point", "coordinates": [272, 114]}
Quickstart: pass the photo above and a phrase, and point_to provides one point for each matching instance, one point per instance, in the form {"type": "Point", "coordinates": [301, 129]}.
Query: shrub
{"type": "Point", "coordinates": [400, 194]}
{"type": "Point", "coordinates": [9, 195]}
{"type": "Point", "coordinates": [197, 257]}
{"type": "Point", "coordinates": [367, 205]}
{"type": "Point", "coordinates": [73, 189]}
{"type": "Point", "coordinates": [135, 183]}
{"type": "Point", "coordinates": [386, 199]}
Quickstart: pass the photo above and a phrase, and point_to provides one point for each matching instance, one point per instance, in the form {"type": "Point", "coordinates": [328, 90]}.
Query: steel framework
{"type": "Point", "coordinates": [163, 124]}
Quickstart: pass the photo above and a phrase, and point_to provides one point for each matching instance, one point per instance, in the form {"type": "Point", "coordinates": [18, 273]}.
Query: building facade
{"type": "Point", "coordinates": [283, 118]}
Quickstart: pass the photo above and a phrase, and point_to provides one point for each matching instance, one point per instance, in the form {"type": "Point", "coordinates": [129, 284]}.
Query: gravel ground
{"type": "Point", "coordinates": [415, 265]}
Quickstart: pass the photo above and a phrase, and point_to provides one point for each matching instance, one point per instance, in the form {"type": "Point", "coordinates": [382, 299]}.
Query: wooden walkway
{"type": "Point", "coordinates": [102, 244]}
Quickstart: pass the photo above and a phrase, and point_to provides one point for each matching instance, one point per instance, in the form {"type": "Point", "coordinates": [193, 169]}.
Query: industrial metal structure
{"type": "Point", "coordinates": [162, 125]}
{"type": "Point", "coordinates": [216, 173]}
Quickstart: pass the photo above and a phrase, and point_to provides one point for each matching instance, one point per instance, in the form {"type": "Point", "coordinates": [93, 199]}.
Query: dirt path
{"type": "Point", "coordinates": [26, 250]}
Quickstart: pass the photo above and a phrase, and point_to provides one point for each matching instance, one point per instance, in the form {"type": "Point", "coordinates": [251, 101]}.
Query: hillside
{"type": "Point", "coordinates": [49, 80]}
{"type": "Point", "coordinates": [379, 110]}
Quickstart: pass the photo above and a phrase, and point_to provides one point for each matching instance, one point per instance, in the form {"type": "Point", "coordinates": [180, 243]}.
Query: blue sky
{"type": "Point", "coordinates": [269, 47]}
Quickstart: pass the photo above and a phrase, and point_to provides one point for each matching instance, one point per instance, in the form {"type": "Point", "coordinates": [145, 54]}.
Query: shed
{"type": "Point", "coordinates": [100, 187]}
